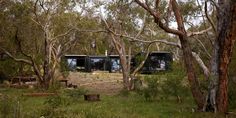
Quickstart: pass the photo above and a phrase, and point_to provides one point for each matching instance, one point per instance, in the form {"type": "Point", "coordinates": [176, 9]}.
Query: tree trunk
{"type": "Point", "coordinates": [194, 85]}
{"type": "Point", "coordinates": [125, 72]}
{"type": "Point", "coordinates": [226, 37]}
{"type": "Point", "coordinates": [226, 28]}
{"type": "Point", "coordinates": [188, 57]}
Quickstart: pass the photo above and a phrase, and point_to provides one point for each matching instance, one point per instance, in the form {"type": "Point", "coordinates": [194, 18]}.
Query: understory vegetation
{"type": "Point", "coordinates": [118, 106]}
{"type": "Point", "coordinates": [161, 95]}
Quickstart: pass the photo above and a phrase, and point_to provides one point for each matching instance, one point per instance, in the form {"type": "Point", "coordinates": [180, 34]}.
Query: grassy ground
{"type": "Point", "coordinates": [69, 104]}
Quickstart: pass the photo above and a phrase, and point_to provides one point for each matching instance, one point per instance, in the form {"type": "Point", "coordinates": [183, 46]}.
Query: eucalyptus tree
{"type": "Point", "coordinates": [158, 16]}
{"type": "Point", "coordinates": [222, 49]}
{"type": "Point", "coordinates": [119, 21]}
{"type": "Point", "coordinates": [48, 33]}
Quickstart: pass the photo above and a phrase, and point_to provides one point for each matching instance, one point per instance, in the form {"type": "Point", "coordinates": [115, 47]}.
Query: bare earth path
{"type": "Point", "coordinates": [97, 82]}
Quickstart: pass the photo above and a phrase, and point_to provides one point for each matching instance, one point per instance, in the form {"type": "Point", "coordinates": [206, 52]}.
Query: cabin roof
{"type": "Point", "coordinates": [74, 55]}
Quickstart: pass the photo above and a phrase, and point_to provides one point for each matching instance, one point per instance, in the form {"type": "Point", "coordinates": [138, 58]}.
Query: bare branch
{"type": "Point", "coordinates": [215, 4]}
{"type": "Point", "coordinates": [209, 19]}
{"type": "Point", "coordinates": [61, 35]}
{"type": "Point", "coordinates": [157, 19]}
{"type": "Point", "coordinates": [91, 30]}
{"type": "Point", "coordinates": [206, 51]}
{"type": "Point", "coordinates": [189, 34]}
{"type": "Point", "coordinates": [167, 17]}
{"type": "Point", "coordinates": [201, 64]}
{"type": "Point", "coordinates": [38, 23]}
{"type": "Point", "coordinates": [178, 16]}
{"type": "Point", "coordinates": [143, 27]}
{"type": "Point", "coordinates": [16, 59]}
{"type": "Point", "coordinates": [157, 4]}
{"type": "Point", "coordinates": [130, 38]}
{"type": "Point", "coordinates": [143, 61]}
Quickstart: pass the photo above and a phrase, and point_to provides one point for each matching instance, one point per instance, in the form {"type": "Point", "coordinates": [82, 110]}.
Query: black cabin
{"type": "Point", "coordinates": [156, 61]}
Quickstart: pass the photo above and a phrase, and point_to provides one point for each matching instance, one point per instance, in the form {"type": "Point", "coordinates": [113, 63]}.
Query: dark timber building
{"type": "Point", "coordinates": [156, 61]}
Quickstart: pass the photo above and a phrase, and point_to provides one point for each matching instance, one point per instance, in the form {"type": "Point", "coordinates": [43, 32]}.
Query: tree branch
{"type": "Point", "coordinates": [143, 27]}
{"type": "Point", "coordinates": [201, 64]}
{"type": "Point", "coordinates": [61, 35]}
{"type": "Point", "coordinates": [16, 59]}
{"type": "Point", "coordinates": [143, 61]}
{"type": "Point", "coordinates": [190, 34]}
{"type": "Point", "coordinates": [208, 54]}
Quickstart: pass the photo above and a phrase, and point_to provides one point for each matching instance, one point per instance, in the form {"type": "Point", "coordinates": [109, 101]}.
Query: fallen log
{"type": "Point", "coordinates": [39, 94]}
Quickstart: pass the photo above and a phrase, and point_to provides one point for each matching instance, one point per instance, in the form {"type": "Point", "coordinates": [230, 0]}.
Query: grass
{"type": "Point", "coordinates": [115, 106]}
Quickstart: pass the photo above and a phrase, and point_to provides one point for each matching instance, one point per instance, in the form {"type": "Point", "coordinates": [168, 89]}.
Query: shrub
{"type": "Point", "coordinates": [150, 90]}
{"type": "Point", "coordinates": [53, 106]}
{"type": "Point", "coordinates": [55, 86]}
{"type": "Point", "coordinates": [173, 85]}
{"type": "Point", "coordinates": [124, 92]}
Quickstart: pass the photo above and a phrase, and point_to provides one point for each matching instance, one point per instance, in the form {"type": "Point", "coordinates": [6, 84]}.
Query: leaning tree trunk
{"type": "Point", "coordinates": [188, 57]}
{"type": "Point", "coordinates": [194, 85]}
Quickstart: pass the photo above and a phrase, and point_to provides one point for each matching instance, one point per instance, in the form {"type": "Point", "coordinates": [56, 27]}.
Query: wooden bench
{"type": "Point", "coordinates": [22, 79]}
{"type": "Point", "coordinates": [64, 81]}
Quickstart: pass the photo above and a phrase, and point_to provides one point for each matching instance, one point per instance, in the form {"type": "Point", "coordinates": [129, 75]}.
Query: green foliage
{"type": "Point", "coordinates": [150, 91]}
{"type": "Point", "coordinates": [232, 94]}
{"type": "Point", "coordinates": [173, 85]}
{"type": "Point", "coordinates": [64, 68]}
{"type": "Point", "coordinates": [55, 86]}
{"type": "Point", "coordinates": [124, 93]}
{"type": "Point", "coordinates": [53, 106]}
{"type": "Point", "coordinates": [9, 107]}
{"type": "Point", "coordinates": [6, 107]}
{"type": "Point", "coordinates": [75, 94]}
{"type": "Point", "coordinates": [110, 106]}
{"type": "Point", "coordinates": [9, 68]}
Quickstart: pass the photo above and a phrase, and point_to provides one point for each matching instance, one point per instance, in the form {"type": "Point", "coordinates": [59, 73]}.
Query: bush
{"type": "Point", "coordinates": [53, 107]}
{"type": "Point", "coordinates": [3, 77]}
{"type": "Point", "coordinates": [173, 85]}
{"type": "Point", "coordinates": [150, 90]}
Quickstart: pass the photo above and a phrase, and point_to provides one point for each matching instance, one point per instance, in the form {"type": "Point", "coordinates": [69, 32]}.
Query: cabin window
{"type": "Point", "coordinates": [72, 64]}
{"type": "Point", "coordinates": [115, 65]}
{"type": "Point", "coordinates": [97, 64]}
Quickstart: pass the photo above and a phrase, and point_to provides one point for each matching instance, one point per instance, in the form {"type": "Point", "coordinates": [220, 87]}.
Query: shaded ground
{"type": "Point", "coordinates": [97, 82]}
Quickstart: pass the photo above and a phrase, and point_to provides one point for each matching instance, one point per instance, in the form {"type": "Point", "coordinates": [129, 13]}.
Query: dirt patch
{"type": "Point", "coordinates": [97, 82]}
